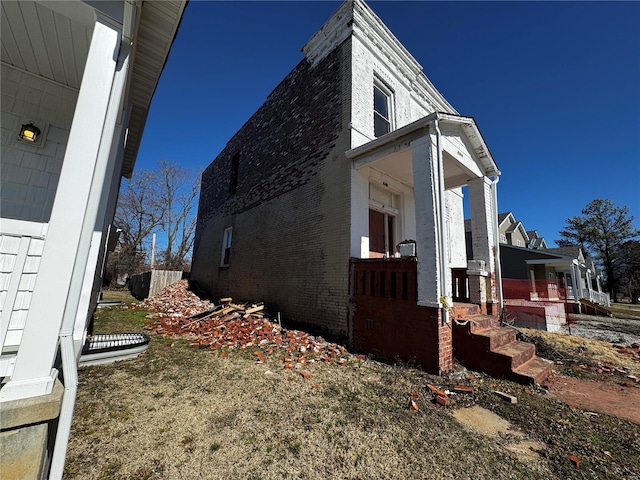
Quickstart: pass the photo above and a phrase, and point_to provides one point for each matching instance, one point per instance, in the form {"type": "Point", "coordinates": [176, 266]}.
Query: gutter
{"type": "Point", "coordinates": [443, 260]}
{"type": "Point", "coordinates": [496, 240]}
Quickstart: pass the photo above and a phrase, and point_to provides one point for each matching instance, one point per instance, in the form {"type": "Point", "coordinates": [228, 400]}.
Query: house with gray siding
{"type": "Point", "coordinates": [77, 81]}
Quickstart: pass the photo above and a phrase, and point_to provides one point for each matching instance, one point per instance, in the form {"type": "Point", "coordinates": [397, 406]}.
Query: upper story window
{"type": "Point", "coordinates": [233, 181]}
{"type": "Point", "coordinates": [381, 110]}
{"type": "Point", "coordinates": [503, 238]}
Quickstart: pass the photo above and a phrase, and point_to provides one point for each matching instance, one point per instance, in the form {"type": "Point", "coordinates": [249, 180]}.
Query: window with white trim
{"type": "Point", "coordinates": [381, 110]}
{"type": "Point", "coordinates": [226, 247]}
{"type": "Point", "coordinates": [503, 238]}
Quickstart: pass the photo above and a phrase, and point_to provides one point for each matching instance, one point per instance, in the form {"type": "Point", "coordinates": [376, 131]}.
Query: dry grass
{"type": "Point", "coordinates": [559, 346]}
{"type": "Point", "coordinates": [182, 413]}
{"type": "Point", "coordinates": [625, 310]}
{"type": "Point", "coordinates": [118, 295]}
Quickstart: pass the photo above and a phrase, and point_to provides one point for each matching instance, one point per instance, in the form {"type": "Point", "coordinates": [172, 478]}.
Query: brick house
{"type": "Point", "coordinates": [353, 152]}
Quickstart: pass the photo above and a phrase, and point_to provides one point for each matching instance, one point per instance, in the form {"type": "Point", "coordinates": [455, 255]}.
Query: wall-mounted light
{"type": "Point", "coordinates": [29, 132]}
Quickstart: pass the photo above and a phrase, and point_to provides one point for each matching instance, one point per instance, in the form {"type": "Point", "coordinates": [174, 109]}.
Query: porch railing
{"type": "Point", "coordinates": [394, 278]}
{"type": "Point", "coordinates": [550, 290]}
{"type": "Point", "coordinates": [520, 289]}
{"type": "Point", "coordinates": [600, 298]}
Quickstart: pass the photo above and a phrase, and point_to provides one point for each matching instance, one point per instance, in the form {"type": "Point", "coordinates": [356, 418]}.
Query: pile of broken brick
{"type": "Point", "coordinates": [178, 312]}
{"type": "Point", "coordinates": [632, 350]}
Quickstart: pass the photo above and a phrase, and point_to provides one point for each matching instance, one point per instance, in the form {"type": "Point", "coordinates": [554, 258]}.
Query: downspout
{"type": "Point", "coordinates": [441, 240]}
{"type": "Point", "coordinates": [67, 349]}
{"type": "Point", "coordinates": [496, 242]}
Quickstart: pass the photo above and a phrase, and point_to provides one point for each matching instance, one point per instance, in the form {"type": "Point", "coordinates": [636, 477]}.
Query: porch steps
{"type": "Point", "coordinates": [479, 342]}
{"type": "Point", "coordinates": [591, 308]}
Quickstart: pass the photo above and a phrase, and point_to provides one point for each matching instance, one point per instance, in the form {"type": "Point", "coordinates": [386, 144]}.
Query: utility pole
{"type": "Point", "coordinates": [153, 251]}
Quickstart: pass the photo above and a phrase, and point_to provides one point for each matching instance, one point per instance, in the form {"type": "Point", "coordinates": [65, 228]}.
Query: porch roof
{"type": "Point", "coordinates": [392, 152]}
{"type": "Point", "coordinates": [51, 40]}
{"type": "Point", "coordinates": [564, 262]}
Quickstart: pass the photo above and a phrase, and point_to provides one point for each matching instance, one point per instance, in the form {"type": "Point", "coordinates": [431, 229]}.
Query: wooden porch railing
{"type": "Point", "coordinates": [394, 278]}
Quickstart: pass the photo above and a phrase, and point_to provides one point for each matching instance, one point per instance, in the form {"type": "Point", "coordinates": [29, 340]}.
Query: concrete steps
{"type": "Point", "coordinates": [480, 343]}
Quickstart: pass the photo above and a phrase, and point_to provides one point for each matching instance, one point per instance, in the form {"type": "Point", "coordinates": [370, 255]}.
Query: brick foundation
{"type": "Point", "coordinates": [387, 322]}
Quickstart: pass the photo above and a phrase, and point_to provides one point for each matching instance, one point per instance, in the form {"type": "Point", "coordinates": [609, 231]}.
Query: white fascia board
{"type": "Point", "coordinates": [549, 261]}
{"type": "Point", "coordinates": [404, 134]}
{"type": "Point", "coordinates": [480, 148]}
{"type": "Point", "coordinates": [419, 128]}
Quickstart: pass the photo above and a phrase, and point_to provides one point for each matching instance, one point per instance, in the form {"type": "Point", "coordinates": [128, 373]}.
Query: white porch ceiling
{"type": "Point", "coordinates": [43, 42]}
{"type": "Point", "coordinates": [51, 39]}
{"type": "Point", "coordinates": [399, 166]}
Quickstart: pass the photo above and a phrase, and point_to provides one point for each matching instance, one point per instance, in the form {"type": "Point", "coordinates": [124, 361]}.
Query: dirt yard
{"type": "Point", "coordinates": [179, 412]}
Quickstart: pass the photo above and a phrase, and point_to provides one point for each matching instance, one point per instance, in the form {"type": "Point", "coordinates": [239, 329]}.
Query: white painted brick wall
{"type": "Point", "coordinates": [408, 106]}
{"type": "Point", "coordinates": [455, 228]}
{"type": "Point", "coordinates": [30, 173]}
{"type": "Point", "coordinates": [481, 202]}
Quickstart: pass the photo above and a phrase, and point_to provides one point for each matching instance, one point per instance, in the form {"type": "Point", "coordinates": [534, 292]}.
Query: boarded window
{"type": "Point", "coordinates": [235, 164]}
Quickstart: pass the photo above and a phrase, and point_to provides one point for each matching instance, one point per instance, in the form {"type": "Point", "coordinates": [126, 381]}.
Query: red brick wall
{"type": "Point", "coordinates": [389, 323]}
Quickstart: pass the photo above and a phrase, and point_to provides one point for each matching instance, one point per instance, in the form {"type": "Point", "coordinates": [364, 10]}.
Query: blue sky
{"type": "Point", "coordinates": [554, 88]}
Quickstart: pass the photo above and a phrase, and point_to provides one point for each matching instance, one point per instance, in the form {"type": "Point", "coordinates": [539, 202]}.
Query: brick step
{"type": "Point", "coordinates": [516, 353]}
{"type": "Point", "coordinates": [533, 371]}
{"type": "Point", "coordinates": [496, 337]}
{"type": "Point", "coordinates": [462, 310]}
{"type": "Point", "coordinates": [479, 322]}
{"type": "Point", "coordinates": [481, 344]}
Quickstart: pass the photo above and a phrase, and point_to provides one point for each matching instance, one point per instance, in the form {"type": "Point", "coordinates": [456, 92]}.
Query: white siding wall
{"type": "Point", "coordinates": [19, 262]}
{"type": "Point", "coordinates": [28, 185]}
{"type": "Point", "coordinates": [30, 173]}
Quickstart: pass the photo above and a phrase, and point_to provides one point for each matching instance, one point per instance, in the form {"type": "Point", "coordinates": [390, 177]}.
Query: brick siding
{"type": "Point", "coordinates": [290, 210]}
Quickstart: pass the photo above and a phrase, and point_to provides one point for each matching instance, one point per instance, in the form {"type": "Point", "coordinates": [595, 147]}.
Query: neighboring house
{"type": "Point", "coordinates": [536, 242]}
{"type": "Point", "coordinates": [77, 81]}
{"type": "Point", "coordinates": [511, 231]}
{"type": "Point", "coordinates": [531, 272]}
{"type": "Point", "coordinates": [354, 152]}
{"type": "Point", "coordinates": [561, 274]}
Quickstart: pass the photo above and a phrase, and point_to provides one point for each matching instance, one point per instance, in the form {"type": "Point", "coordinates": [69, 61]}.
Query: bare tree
{"type": "Point", "coordinates": [159, 200]}
{"type": "Point", "coordinates": [179, 188]}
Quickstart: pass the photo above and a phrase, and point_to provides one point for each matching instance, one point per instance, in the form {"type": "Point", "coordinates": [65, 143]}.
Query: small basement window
{"type": "Point", "coordinates": [381, 110]}
{"type": "Point", "coordinates": [226, 247]}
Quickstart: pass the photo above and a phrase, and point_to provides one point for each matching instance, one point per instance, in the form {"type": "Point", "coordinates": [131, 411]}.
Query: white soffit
{"type": "Point", "coordinates": [42, 41]}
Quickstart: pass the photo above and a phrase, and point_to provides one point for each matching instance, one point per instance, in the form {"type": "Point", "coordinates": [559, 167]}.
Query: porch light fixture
{"type": "Point", "coordinates": [29, 132]}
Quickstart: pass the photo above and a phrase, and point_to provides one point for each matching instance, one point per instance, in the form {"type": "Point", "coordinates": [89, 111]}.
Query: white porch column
{"type": "Point", "coordinates": [575, 278]}
{"type": "Point", "coordinates": [108, 194]}
{"type": "Point", "coordinates": [482, 224]}
{"type": "Point", "coordinates": [73, 218]}
{"type": "Point", "coordinates": [426, 186]}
